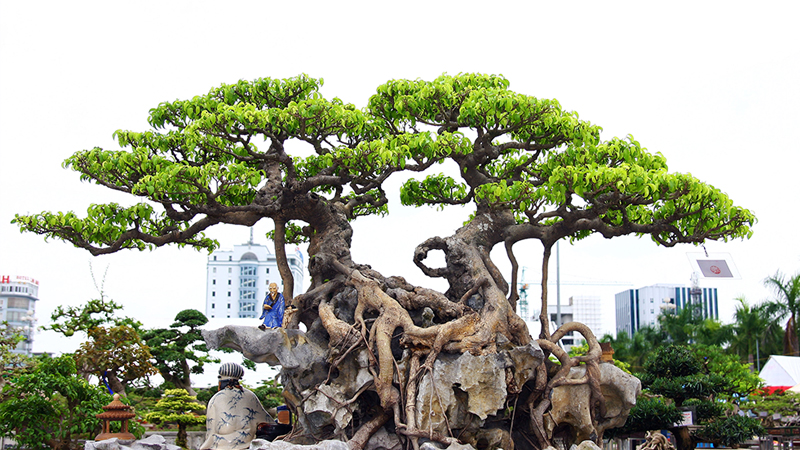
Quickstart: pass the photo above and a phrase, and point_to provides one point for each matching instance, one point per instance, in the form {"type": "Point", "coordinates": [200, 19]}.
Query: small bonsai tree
{"type": "Point", "coordinates": [686, 376]}
{"type": "Point", "coordinates": [177, 407]}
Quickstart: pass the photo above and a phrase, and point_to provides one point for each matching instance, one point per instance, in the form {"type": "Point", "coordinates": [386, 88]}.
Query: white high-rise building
{"type": "Point", "coordinates": [637, 308]}
{"type": "Point", "coordinates": [238, 279]}
{"type": "Point", "coordinates": [18, 297]}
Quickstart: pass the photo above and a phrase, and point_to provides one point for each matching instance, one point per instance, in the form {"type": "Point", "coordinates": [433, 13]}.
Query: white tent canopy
{"type": "Point", "coordinates": [781, 371]}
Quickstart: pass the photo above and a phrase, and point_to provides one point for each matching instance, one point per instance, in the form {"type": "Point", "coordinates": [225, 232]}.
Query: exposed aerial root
{"type": "Point", "coordinates": [560, 378]}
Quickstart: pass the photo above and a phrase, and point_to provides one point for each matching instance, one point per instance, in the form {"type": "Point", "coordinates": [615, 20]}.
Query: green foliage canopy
{"type": "Point", "coordinates": [50, 407]}
{"type": "Point", "coordinates": [202, 165]}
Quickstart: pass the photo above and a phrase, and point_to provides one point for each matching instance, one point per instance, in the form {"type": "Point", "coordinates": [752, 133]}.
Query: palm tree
{"type": "Point", "coordinates": [754, 329]}
{"type": "Point", "coordinates": [786, 303]}
{"type": "Point", "coordinates": [635, 350]}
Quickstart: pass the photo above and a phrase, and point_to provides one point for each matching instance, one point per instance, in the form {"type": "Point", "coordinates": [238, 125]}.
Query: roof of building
{"type": "Point", "coordinates": [781, 371]}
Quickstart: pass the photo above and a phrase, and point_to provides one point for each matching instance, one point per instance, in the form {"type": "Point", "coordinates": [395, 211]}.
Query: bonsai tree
{"type": "Point", "coordinates": [179, 350]}
{"type": "Point", "coordinates": [685, 376]}
{"type": "Point", "coordinates": [116, 354]}
{"type": "Point", "coordinates": [177, 407]}
{"type": "Point", "coordinates": [277, 150]}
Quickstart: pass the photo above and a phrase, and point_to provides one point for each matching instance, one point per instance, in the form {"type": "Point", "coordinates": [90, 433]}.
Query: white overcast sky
{"type": "Point", "coordinates": [713, 86]}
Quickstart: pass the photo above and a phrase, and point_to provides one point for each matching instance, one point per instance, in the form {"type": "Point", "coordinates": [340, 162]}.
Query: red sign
{"type": "Point", "coordinates": [5, 279]}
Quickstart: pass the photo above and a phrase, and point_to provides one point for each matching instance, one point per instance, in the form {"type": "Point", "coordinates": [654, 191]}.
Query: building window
{"type": "Point", "coordinates": [229, 307]}
{"type": "Point", "coordinates": [229, 293]}
{"type": "Point", "coordinates": [214, 270]}
{"type": "Point", "coordinates": [267, 269]}
{"type": "Point", "coordinates": [213, 293]}
{"type": "Point", "coordinates": [230, 270]}
{"type": "Point", "coordinates": [215, 257]}
{"type": "Point", "coordinates": [248, 271]}
{"type": "Point", "coordinates": [16, 302]}
{"type": "Point", "coordinates": [248, 283]}
{"type": "Point", "coordinates": [229, 282]}
{"type": "Point", "coordinates": [230, 258]}
{"type": "Point", "coordinates": [247, 295]}
{"type": "Point", "coordinates": [213, 281]}
{"type": "Point", "coordinates": [212, 306]}
{"type": "Point", "coordinates": [14, 316]}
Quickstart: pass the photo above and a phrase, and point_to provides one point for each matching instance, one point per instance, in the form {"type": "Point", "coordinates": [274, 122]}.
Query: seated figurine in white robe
{"type": "Point", "coordinates": [233, 413]}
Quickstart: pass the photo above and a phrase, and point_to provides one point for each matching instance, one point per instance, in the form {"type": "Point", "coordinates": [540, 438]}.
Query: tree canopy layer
{"type": "Point", "coordinates": [530, 169]}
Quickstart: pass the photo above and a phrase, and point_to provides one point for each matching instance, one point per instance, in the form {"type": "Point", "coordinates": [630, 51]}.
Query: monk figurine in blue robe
{"type": "Point", "coordinates": [274, 305]}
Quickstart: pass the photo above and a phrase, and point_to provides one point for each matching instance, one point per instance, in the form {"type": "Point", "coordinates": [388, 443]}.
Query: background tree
{"type": "Point", "coordinates": [113, 351]}
{"type": "Point", "coordinates": [787, 303]}
{"type": "Point", "coordinates": [11, 363]}
{"type": "Point", "coordinates": [96, 312]}
{"type": "Point", "coordinates": [530, 169]}
{"type": "Point", "coordinates": [179, 350]}
{"type": "Point", "coordinates": [689, 327]}
{"type": "Point", "coordinates": [177, 407]}
{"type": "Point", "coordinates": [635, 350]}
{"type": "Point", "coordinates": [116, 354]}
{"type": "Point", "coordinates": [755, 332]}
{"type": "Point", "coordinates": [50, 407]}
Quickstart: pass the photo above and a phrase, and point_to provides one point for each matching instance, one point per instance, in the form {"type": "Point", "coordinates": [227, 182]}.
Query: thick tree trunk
{"type": "Point", "coordinates": [115, 384]}
{"type": "Point", "coordinates": [280, 258]}
{"type": "Point", "coordinates": [180, 440]}
{"type": "Point", "coordinates": [544, 315]}
{"type": "Point", "coordinates": [790, 338]}
{"type": "Point", "coordinates": [683, 438]}
{"type": "Point", "coordinates": [180, 382]}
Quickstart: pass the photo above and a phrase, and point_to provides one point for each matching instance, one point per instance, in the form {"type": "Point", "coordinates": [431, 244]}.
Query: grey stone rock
{"type": "Point", "coordinates": [108, 444]}
{"type": "Point", "coordinates": [154, 442]}
{"type": "Point", "coordinates": [382, 440]}
{"type": "Point", "coordinates": [465, 383]}
{"type": "Point", "coordinates": [586, 445]}
{"type": "Point", "coordinates": [431, 446]}
{"type": "Point", "coordinates": [261, 444]}
{"type": "Point", "coordinates": [287, 348]}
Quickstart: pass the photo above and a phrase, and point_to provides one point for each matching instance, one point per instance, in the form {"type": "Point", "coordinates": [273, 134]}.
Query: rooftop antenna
{"type": "Point", "coordinates": [251, 236]}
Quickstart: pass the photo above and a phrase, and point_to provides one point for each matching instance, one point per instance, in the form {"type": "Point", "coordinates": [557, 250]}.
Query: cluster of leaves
{"type": "Point", "coordinates": [270, 393]}
{"type": "Point", "coordinates": [96, 312]}
{"type": "Point", "coordinates": [51, 407]}
{"type": "Point", "coordinates": [657, 412]}
{"type": "Point", "coordinates": [12, 363]}
{"type": "Point", "coordinates": [731, 431]}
